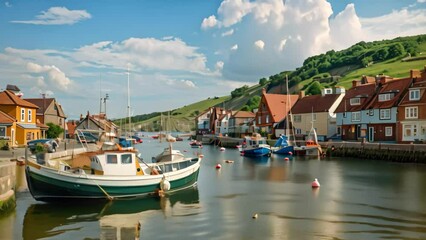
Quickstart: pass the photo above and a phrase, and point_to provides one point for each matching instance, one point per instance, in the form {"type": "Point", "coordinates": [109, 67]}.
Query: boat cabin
{"type": "Point", "coordinates": [115, 163]}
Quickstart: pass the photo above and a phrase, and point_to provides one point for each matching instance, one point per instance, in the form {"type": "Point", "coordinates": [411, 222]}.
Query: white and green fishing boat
{"type": "Point", "coordinates": [108, 174]}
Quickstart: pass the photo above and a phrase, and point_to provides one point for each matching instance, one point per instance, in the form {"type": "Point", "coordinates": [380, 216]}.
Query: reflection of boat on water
{"type": "Point", "coordinates": [116, 218]}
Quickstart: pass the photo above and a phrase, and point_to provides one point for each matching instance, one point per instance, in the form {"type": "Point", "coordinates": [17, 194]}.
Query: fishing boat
{"type": "Point", "coordinates": [169, 154]}
{"type": "Point", "coordinates": [254, 146]}
{"type": "Point", "coordinates": [108, 174]}
{"type": "Point", "coordinates": [195, 144]}
{"type": "Point", "coordinates": [311, 146]}
{"type": "Point", "coordinates": [282, 146]}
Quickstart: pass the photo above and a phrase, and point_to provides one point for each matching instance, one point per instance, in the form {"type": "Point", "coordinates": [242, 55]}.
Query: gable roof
{"type": "Point", "coordinates": [277, 105]}
{"type": "Point", "coordinates": [398, 87]}
{"type": "Point", "coordinates": [12, 88]}
{"type": "Point", "coordinates": [243, 114]}
{"type": "Point", "coordinates": [9, 98]}
{"type": "Point", "coordinates": [366, 91]}
{"type": "Point", "coordinates": [6, 118]}
{"type": "Point", "coordinates": [44, 103]}
{"type": "Point", "coordinates": [419, 83]}
{"type": "Point", "coordinates": [314, 103]}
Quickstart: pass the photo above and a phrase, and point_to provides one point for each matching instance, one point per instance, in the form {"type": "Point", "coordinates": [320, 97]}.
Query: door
{"type": "Point", "coordinates": [371, 134]}
{"type": "Point", "coordinates": [12, 136]}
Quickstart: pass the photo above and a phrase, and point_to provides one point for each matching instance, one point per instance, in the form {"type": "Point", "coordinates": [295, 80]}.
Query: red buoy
{"type": "Point", "coordinates": [290, 153]}
{"type": "Point", "coordinates": [286, 158]}
{"type": "Point", "coordinates": [218, 166]}
{"type": "Point", "coordinates": [315, 184]}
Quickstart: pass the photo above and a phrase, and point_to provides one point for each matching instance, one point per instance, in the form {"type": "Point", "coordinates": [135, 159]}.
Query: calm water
{"type": "Point", "coordinates": [357, 200]}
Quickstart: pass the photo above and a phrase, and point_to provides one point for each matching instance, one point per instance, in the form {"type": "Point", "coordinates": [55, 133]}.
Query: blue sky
{"type": "Point", "coordinates": [178, 52]}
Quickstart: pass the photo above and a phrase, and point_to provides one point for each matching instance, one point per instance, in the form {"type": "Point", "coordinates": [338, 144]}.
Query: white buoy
{"type": "Point", "coordinates": [222, 149]}
{"type": "Point", "coordinates": [255, 216]}
{"type": "Point", "coordinates": [315, 183]}
{"type": "Point", "coordinates": [164, 184]}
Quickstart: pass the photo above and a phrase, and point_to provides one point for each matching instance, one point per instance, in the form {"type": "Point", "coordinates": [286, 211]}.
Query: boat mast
{"type": "Point", "coordinates": [128, 98]}
{"type": "Point", "coordinates": [287, 130]}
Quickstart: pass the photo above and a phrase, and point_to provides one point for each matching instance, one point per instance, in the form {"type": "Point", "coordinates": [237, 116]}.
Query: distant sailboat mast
{"type": "Point", "coordinates": [128, 98]}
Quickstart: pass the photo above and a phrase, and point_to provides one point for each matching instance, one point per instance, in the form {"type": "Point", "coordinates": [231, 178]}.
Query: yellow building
{"type": "Point", "coordinates": [18, 122]}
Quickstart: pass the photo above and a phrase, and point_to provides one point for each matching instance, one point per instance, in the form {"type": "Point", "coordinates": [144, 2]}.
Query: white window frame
{"type": "Point", "coordinates": [314, 117]}
{"type": "Point", "coordinates": [414, 94]}
{"type": "Point", "coordinates": [297, 118]}
{"type": "Point", "coordinates": [355, 101]}
{"type": "Point", "coordinates": [267, 118]}
{"type": "Point", "coordinates": [388, 131]}
{"type": "Point", "coordinates": [356, 116]}
{"type": "Point", "coordinates": [22, 114]}
{"type": "Point", "coordinates": [384, 97]}
{"type": "Point", "coordinates": [259, 119]}
{"type": "Point", "coordinates": [412, 128]}
{"type": "Point", "coordinates": [385, 114]}
{"type": "Point", "coordinates": [30, 112]}
{"type": "Point", "coordinates": [298, 131]}
{"type": "Point", "coordinates": [411, 112]}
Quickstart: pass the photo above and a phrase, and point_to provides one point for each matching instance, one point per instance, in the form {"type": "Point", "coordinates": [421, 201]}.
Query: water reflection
{"type": "Point", "coordinates": [120, 219]}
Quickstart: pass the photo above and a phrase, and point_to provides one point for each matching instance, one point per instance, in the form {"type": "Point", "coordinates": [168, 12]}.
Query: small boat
{"type": "Point", "coordinates": [282, 146]}
{"type": "Point", "coordinates": [311, 147]}
{"type": "Point", "coordinates": [108, 174]}
{"type": "Point", "coordinates": [195, 144]}
{"type": "Point", "coordinates": [179, 139]}
{"type": "Point", "coordinates": [169, 154]}
{"type": "Point", "coordinates": [255, 146]}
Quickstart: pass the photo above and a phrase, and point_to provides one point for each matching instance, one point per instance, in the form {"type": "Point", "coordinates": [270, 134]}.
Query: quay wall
{"type": "Point", "coordinates": [404, 153]}
{"type": "Point", "coordinates": [7, 185]}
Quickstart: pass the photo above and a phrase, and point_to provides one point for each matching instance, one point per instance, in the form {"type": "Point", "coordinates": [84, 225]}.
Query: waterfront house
{"type": "Point", "coordinates": [317, 111]}
{"type": "Point", "coordinates": [202, 121]}
{"type": "Point", "coordinates": [273, 108]}
{"type": "Point", "coordinates": [412, 110]}
{"type": "Point", "coordinates": [239, 123]}
{"type": "Point", "coordinates": [49, 111]}
{"type": "Point", "coordinates": [98, 124]}
{"type": "Point", "coordinates": [352, 117]}
{"type": "Point", "coordinates": [222, 123]}
{"type": "Point", "coordinates": [381, 113]}
{"type": "Point", "coordinates": [18, 119]}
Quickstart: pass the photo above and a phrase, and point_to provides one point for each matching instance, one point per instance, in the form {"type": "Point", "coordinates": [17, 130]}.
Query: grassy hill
{"type": "Point", "coordinates": [394, 58]}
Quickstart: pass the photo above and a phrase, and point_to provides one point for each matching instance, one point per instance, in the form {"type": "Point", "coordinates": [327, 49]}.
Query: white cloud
{"type": "Point", "coordinates": [235, 47]}
{"type": "Point", "coordinates": [53, 76]}
{"type": "Point", "coordinates": [209, 22]}
{"type": "Point", "coordinates": [8, 4]}
{"type": "Point", "coordinates": [57, 16]}
{"type": "Point", "coordinates": [282, 45]}
{"type": "Point", "coordinates": [421, 1]}
{"type": "Point", "coordinates": [259, 44]}
{"type": "Point", "coordinates": [233, 11]}
{"type": "Point", "coordinates": [228, 33]}
{"type": "Point", "coordinates": [188, 84]}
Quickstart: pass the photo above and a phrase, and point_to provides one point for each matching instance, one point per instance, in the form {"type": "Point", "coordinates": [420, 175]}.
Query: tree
{"type": "Point", "coordinates": [381, 54]}
{"type": "Point", "coordinates": [262, 81]}
{"type": "Point", "coordinates": [396, 50]}
{"type": "Point", "coordinates": [54, 130]}
{"type": "Point", "coordinates": [314, 88]}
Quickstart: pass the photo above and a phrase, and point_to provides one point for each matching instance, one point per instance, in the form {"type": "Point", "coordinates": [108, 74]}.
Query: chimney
{"type": "Point", "coordinates": [415, 73]}
{"type": "Point", "coordinates": [301, 94]}
{"type": "Point", "coordinates": [356, 83]}
{"type": "Point", "coordinates": [81, 117]}
{"type": "Point", "coordinates": [263, 91]}
{"type": "Point", "coordinates": [383, 80]}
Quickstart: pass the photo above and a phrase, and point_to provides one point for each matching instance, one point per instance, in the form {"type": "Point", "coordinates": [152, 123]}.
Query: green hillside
{"type": "Point", "coordinates": [394, 58]}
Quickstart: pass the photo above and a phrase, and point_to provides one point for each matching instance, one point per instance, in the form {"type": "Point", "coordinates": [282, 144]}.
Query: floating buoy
{"type": "Point", "coordinates": [229, 161]}
{"type": "Point", "coordinates": [222, 149]}
{"type": "Point", "coordinates": [201, 156]}
{"type": "Point", "coordinates": [164, 184]}
{"type": "Point", "coordinates": [255, 216]}
{"type": "Point", "coordinates": [218, 166]}
{"type": "Point", "coordinates": [290, 153]}
{"type": "Point", "coordinates": [315, 184]}
{"type": "Point", "coordinates": [242, 153]}
{"type": "Point", "coordinates": [286, 159]}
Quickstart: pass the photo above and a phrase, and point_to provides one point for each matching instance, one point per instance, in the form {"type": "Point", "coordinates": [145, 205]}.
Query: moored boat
{"type": "Point", "coordinates": [108, 174]}
{"type": "Point", "coordinates": [254, 146]}
{"type": "Point", "coordinates": [311, 147]}
{"type": "Point", "coordinates": [282, 146]}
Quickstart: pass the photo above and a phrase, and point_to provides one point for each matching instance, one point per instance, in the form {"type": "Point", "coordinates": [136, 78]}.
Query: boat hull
{"type": "Point", "coordinates": [48, 185]}
{"type": "Point", "coordinates": [287, 150]}
{"type": "Point", "coordinates": [308, 151]}
{"type": "Point", "coordinates": [256, 152]}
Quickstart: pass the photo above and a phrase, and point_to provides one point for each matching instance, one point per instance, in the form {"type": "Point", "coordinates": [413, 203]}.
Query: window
{"type": "Point", "coordinates": [388, 131]}
{"type": "Point", "coordinates": [298, 131]}
{"type": "Point", "coordinates": [22, 114]}
{"type": "Point", "coordinates": [328, 91]}
{"type": "Point", "coordinates": [297, 118]}
{"type": "Point", "coordinates": [314, 117]}
{"type": "Point", "coordinates": [385, 97]}
{"type": "Point", "coordinates": [385, 113]}
{"type": "Point", "coordinates": [414, 94]}
{"type": "Point", "coordinates": [259, 119]}
{"type": "Point", "coordinates": [2, 132]}
{"type": "Point", "coordinates": [344, 114]}
{"type": "Point", "coordinates": [112, 159]}
{"type": "Point", "coordinates": [267, 118]}
{"type": "Point", "coordinates": [126, 159]}
{"type": "Point", "coordinates": [339, 130]}
{"type": "Point", "coordinates": [355, 101]}
{"type": "Point", "coordinates": [371, 112]}
{"type": "Point", "coordinates": [411, 112]}
{"type": "Point", "coordinates": [356, 116]}
{"type": "Point", "coordinates": [30, 115]}
{"type": "Point", "coordinates": [410, 130]}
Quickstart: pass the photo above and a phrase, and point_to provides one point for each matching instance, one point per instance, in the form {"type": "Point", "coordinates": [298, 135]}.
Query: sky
{"type": "Point", "coordinates": [172, 53]}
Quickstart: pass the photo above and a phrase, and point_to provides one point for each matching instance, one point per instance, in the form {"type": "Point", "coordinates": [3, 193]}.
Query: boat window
{"type": "Point", "coordinates": [183, 165]}
{"type": "Point", "coordinates": [167, 168]}
{"type": "Point", "coordinates": [112, 159]}
{"type": "Point", "coordinates": [126, 159]}
{"type": "Point", "coordinates": [175, 166]}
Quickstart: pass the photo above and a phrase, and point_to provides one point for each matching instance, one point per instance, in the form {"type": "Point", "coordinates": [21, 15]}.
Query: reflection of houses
{"type": "Point", "coordinates": [317, 111]}
{"type": "Point", "coordinates": [98, 124]}
{"type": "Point", "coordinates": [240, 123]}
{"type": "Point", "coordinates": [412, 110]}
{"type": "Point", "coordinates": [17, 119]}
{"type": "Point", "coordinates": [49, 111]}
{"type": "Point", "coordinates": [272, 109]}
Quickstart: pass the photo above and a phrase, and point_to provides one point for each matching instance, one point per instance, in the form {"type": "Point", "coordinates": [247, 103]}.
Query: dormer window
{"type": "Point", "coordinates": [385, 97]}
{"type": "Point", "coordinates": [414, 94]}
{"type": "Point", "coordinates": [355, 101]}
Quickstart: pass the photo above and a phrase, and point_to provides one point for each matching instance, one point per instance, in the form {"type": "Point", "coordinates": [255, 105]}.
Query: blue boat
{"type": "Point", "coordinates": [282, 146]}
{"type": "Point", "coordinates": [254, 146]}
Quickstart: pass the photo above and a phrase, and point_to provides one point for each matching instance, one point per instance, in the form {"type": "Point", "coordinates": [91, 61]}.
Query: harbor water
{"type": "Point", "coordinates": [249, 198]}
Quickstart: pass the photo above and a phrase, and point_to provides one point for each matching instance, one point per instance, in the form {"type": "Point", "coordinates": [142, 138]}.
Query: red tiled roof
{"type": "Point", "coordinates": [9, 98]}
{"type": "Point", "coordinates": [277, 105]}
{"type": "Point", "coordinates": [6, 118]}
{"type": "Point", "coordinates": [365, 91]}
{"type": "Point", "coordinates": [244, 114]}
{"type": "Point", "coordinates": [418, 84]}
{"type": "Point", "coordinates": [397, 86]}
{"type": "Point", "coordinates": [314, 103]}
